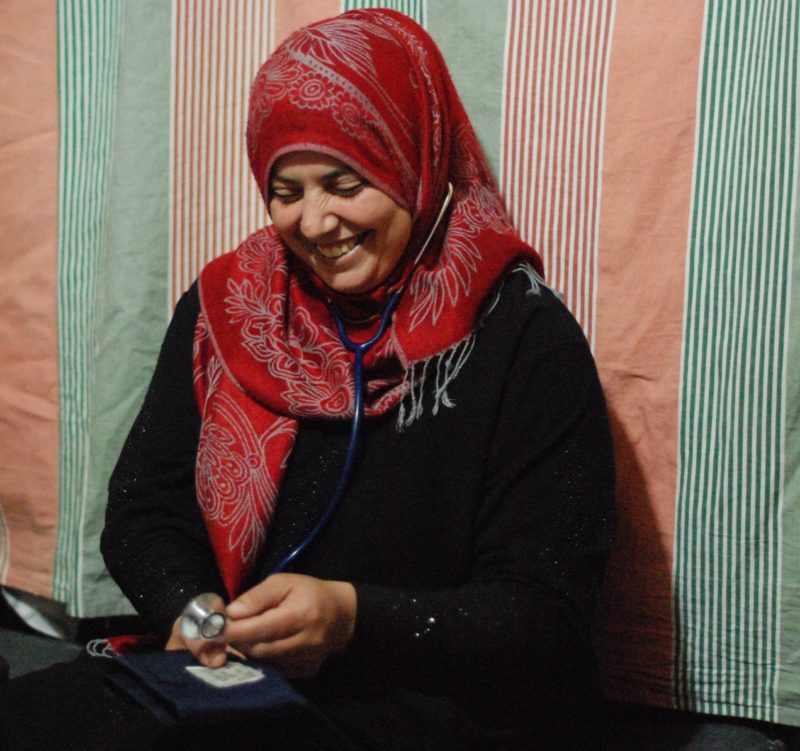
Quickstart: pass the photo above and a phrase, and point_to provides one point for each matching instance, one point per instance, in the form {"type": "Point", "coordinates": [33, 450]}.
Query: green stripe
{"type": "Point", "coordinates": [417, 9]}
{"type": "Point", "coordinates": [728, 547]}
{"type": "Point", "coordinates": [114, 100]}
{"type": "Point", "coordinates": [473, 43]}
{"type": "Point", "coordinates": [789, 604]}
{"type": "Point", "coordinates": [88, 42]}
{"type": "Point", "coordinates": [133, 282]}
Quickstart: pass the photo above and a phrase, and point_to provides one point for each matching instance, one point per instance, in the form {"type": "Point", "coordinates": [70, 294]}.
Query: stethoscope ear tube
{"type": "Point", "coordinates": [435, 226]}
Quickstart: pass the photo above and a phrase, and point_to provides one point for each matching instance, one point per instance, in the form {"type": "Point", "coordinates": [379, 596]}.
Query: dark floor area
{"type": "Point", "coordinates": [633, 728]}
{"type": "Point", "coordinates": [24, 650]}
{"type": "Point", "coordinates": [629, 728]}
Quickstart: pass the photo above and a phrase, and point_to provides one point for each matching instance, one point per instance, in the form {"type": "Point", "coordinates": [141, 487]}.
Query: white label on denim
{"type": "Point", "coordinates": [232, 674]}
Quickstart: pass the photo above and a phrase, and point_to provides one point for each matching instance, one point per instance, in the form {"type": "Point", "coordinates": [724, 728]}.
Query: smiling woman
{"type": "Point", "coordinates": [349, 233]}
{"type": "Point", "coordinates": [428, 577]}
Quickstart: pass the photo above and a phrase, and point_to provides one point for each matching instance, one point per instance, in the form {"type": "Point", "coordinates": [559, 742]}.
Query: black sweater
{"type": "Point", "coordinates": [476, 537]}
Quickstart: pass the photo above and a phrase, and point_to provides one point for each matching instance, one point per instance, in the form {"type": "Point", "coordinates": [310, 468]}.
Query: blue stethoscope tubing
{"type": "Point", "coordinates": [208, 621]}
{"type": "Point", "coordinates": [359, 350]}
{"type": "Point", "coordinates": [203, 616]}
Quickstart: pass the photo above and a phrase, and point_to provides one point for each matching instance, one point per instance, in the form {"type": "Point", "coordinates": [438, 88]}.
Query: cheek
{"type": "Point", "coordinates": [282, 218]}
{"type": "Point", "coordinates": [398, 228]}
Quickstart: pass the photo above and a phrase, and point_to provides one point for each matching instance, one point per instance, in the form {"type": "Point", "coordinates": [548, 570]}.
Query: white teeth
{"type": "Point", "coordinates": [335, 251]}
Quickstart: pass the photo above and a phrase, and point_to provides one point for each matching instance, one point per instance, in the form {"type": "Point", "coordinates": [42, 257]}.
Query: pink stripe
{"type": "Point", "coordinates": [29, 387]}
{"type": "Point", "coordinates": [219, 47]}
{"type": "Point", "coordinates": [551, 148]}
{"type": "Point", "coordinates": [647, 188]}
{"type": "Point", "coordinates": [292, 16]}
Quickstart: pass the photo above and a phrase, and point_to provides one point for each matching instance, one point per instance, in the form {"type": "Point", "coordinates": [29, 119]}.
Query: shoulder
{"type": "Point", "coordinates": [189, 303]}
{"type": "Point", "coordinates": [184, 318]}
{"type": "Point", "coordinates": [522, 310]}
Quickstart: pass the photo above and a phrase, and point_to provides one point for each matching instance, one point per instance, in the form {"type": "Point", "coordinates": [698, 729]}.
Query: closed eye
{"type": "Point", "coordinates": [285, 195]}
{"type": "Point", "coordinates": [347, 189]}
{"type": "Point", "coordinates": [340, 182]}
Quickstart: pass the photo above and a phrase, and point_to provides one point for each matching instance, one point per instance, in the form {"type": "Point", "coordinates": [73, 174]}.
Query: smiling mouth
{"type": "Point", "coordinates": [337, 250]}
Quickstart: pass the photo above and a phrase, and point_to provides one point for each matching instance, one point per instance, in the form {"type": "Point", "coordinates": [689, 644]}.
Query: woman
{"type": "Point", "coordinates": [447, 601]}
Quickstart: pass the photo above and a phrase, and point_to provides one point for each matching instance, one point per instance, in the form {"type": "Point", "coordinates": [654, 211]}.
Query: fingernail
{"type": "Point", "coordinates": [236, 609]}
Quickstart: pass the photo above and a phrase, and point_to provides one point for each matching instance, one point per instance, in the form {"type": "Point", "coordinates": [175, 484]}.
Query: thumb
{"type": "Point", "coordinates": [210, 654]}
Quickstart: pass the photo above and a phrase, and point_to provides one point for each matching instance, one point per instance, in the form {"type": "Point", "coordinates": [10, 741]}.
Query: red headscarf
{"type": "Point", "coordinates": [371, 89]}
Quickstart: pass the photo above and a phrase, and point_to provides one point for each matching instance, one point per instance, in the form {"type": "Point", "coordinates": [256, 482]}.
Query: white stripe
{"type": "Point", "coordinates": [502, 177]}
{"type": "Point", "coordinates": [792, 242]}
{"type": "Point", "coordinates": [580, 138]}
{"type": "Point", "coordinates": [564, 140]}
{"type": "Point", "coordinates": [272, 41]}
{"type": "Point", "coordinates": [217, 139]}
{"type": "Point", "coordinates": [205, 178]}
{"type": "Point", "coordinates": [5, 547]}
{"type": "Point", "coordinates": [685, 458]}
{"type": "Point", "coordinates": [759, 483]}
{"type": "Point", "coordinates": [235, 134]}
{"type": "Point", "coordinates": [175, 120]}
{"type": "Point", "coordinates": [596, 171]}
{"type": "Point", "coordinates": [507, 117]}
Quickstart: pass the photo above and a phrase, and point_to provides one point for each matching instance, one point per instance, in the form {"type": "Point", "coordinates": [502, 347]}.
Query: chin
{"type": "Point", "coordinates": [345, 287]}
{"type": "Point", "coordinates": [352, 282]}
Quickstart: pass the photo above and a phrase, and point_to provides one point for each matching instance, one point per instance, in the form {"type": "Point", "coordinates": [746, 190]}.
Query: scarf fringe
{"type": "Point", "coordinates": [535, 280]}
{"type": "Point", "coordinates": [448, 364]}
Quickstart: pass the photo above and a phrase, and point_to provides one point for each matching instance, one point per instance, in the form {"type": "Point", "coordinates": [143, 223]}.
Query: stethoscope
{"type": "Point", "coordinates": [204, 616]}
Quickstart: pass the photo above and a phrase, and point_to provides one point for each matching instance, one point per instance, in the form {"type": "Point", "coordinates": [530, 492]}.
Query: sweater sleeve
{"type": "Point", "coordinates": [540, 544]}
{"type": "Point", "coordinates": [154, 541]}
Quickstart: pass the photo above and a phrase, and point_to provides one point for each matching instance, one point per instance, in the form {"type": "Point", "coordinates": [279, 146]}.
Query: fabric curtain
{"type": "Point", "coordinates": [649, 150]}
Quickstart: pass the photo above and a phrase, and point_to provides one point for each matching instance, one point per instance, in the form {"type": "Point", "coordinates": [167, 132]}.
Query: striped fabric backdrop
{"type": "Point", "coordinates": [733, 410]}
{"type": "Point", "coordinates": [649, 150]}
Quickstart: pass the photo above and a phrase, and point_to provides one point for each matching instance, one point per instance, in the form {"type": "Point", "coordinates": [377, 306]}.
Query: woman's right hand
{"type": "Point", "coordinates": [212, 654]}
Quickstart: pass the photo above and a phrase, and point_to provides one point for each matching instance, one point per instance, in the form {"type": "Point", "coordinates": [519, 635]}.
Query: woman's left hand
{"type": "Point", "coordinates": [292, 621]}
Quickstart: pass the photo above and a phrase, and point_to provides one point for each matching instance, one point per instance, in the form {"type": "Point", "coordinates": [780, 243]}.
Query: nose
{"type": "Point", "coordinates": [317, 219]}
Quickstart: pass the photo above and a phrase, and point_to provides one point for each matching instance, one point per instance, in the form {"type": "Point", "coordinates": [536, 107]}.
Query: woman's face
{"type": "Point", "coordinates": [349, 233]}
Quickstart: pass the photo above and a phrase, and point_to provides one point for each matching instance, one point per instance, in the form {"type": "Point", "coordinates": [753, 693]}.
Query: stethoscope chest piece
{"type": "Point", "coordinates": [203, 617]}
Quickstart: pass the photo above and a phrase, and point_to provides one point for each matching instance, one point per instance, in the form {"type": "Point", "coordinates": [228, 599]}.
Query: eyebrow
{"type": "Point", "coordinates": [327, 177]}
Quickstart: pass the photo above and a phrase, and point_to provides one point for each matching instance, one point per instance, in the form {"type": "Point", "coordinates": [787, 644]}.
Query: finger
{"type": "Point", "coordinates": [232, 651]}
{"type": "Point", "coordinates": [175, 643]}
{"type": "Point", "coordinates": [265, 595]}
{"type": "Point", "coordinates": [275, 624]}
{"type": "Point", "coordinates": [212, 654]}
